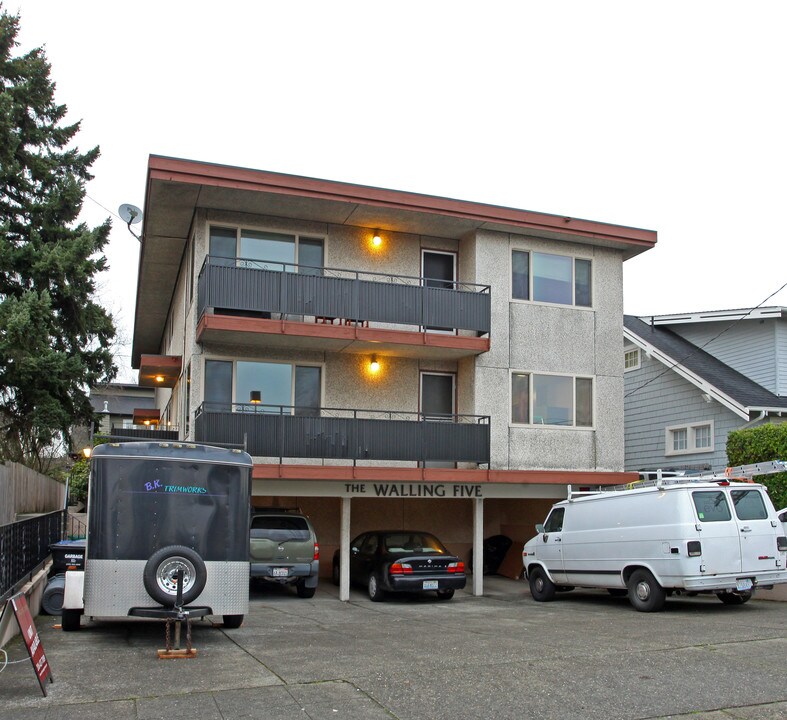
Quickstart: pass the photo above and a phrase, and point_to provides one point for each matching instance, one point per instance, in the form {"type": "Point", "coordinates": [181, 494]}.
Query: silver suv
{"type": "Point", "coordinates": [284, 550]}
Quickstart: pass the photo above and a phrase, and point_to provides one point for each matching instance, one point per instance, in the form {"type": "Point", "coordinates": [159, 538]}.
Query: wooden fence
{"type": "Point", "coordinates": [23, 490]}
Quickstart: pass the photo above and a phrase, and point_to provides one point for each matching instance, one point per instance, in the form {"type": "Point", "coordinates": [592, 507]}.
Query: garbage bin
{"type": "Point", "coordinates": [67, 555]}
{"type": "Point", "coordinates": [52, 599]}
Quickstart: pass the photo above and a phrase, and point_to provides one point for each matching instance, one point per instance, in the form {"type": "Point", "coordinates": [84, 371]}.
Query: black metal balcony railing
{"type": "Point", "coordinates": [342, 434]}
{"type": "Point", "coordinates": [241, 285]}
{"type": "Point", "coordinates": [143, 433]}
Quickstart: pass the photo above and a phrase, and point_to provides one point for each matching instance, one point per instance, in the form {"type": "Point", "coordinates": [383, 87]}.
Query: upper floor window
{"type": "Point", "coordinates": [685, 439]}
{"type": "Point", "coordinates": [562, 400]}
{"type": "Point", "coordinates": [275, 387]}
{"type": "Point", "coordinates": [267, 250]}
{"type": "Point", "coordinates": [631, 359]}
{"type": "Point", "coordinates": [543, 277]}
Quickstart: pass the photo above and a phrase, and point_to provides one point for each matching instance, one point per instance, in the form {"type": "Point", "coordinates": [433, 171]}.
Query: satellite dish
{"type": "Point", "coordinates": [130, 214]}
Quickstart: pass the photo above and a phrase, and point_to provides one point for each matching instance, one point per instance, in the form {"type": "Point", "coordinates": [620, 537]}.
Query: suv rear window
{"type": "Point", "coordinates": [749, 505]}
{"type": "Point", "coordinates": [279, 528]}
{"type": "Point", "coordinates": [711, 506]}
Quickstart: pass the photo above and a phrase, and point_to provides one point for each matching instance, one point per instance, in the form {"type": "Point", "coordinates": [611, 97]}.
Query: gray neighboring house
{"type": "Point", "coordinates": [682, 397]}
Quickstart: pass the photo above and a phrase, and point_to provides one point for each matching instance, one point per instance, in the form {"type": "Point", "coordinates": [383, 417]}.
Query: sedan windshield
{"type": "Point", "coordinates": [422, 543]}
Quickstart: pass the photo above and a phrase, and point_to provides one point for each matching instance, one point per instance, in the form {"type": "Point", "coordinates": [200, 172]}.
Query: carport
{"type": "Point", "coordinates": [349, 493]}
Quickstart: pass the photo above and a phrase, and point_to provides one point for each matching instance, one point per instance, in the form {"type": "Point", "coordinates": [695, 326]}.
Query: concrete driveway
{"type": "Point", "coordinates": [585, 655]}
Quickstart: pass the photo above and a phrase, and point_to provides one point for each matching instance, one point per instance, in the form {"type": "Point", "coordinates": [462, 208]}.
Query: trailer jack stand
{"type": "Point", "coordinates": [172, 653]}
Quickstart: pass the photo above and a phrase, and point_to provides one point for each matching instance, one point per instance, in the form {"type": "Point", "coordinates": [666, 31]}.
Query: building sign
{"type": "Point", "coordinates": [32, 641]}
{"type": "Point", "coordinates": [415, 490]}
{"type": "Point", "coordinates": [405, 490]}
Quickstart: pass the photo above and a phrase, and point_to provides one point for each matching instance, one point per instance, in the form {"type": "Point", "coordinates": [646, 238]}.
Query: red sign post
{"type": "Point", "coordinates": [32, 641]}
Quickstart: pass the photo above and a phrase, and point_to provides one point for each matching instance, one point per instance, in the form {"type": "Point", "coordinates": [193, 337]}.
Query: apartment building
{"type": "Point", "coordinates": [388, 359]}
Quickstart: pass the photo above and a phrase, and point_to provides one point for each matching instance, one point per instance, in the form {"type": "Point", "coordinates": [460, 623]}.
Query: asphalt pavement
{"type": "Point", "coordinates": [585, 655]}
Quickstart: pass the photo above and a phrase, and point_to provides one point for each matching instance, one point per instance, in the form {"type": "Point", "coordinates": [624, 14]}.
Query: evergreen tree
{"type": "Point", "coordinates": [54, 338]}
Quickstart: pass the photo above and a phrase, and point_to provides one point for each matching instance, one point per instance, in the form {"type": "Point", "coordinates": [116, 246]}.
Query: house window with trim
{"type": "Point", "coordinates": [548, 278]}
{"type": "Point", "coordinates": [556, 400]}
{"type": "Point", "coordinates": [630, 359]}
{"type": "Point", "coordinates": [686, 439]}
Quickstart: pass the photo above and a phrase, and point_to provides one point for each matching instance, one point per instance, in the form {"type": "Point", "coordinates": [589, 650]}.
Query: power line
{"type": "Point", "coordinates": [111, 212]}
{"type": "Point", "coordinates": [702, 347]}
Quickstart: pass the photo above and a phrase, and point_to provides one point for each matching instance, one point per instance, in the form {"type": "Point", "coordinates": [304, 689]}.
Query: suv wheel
{"type": "Point", "coordinates": [303, 591]}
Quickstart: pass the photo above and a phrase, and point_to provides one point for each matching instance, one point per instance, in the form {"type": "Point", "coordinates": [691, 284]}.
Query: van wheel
{"type": "Point", "coordinates": [541, 587]}
{"type": "Point", "coordinates": [734, 598]}
{"type": "Point", "coordinates": [160, 576]}
{"type": "Point", "coordinates": [645, 594]}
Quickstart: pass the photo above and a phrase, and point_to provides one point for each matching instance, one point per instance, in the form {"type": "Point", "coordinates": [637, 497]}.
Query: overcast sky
{"type": "Point", "coordinates": [664, 115]}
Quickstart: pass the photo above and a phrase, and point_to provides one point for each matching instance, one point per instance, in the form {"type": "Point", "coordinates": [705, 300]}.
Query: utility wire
{"type": "Point", "coordinates": [111, 212]}
{"type": "Point", "coordinates": [702, 347]}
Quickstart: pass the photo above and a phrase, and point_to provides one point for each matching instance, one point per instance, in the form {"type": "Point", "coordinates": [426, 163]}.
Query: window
{"type": "Point", "coordinates": [711, 506]}
{"type": "Point", "coordinates": [630, 359]}
{"type": "Point", "coordinates": [282, 387]}
{"type": "Point", "coordinates": [554, 522]}
{"type": "Point", "coordinates": [266, 250]}
{"type": "Point", "coordinates": [548, 278]}
{"type": "Point", "coordinates": [686, 439]}
{"type": "Point", "coordinates": [560, 400]}
{"type": "Point", "coordinates": [749, 505]}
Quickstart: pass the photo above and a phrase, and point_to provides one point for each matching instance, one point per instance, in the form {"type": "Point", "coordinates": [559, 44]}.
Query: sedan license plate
{"type": "Point", "coordinates": [744, 584]}
{"type": "Point", "coordinates": [430, 585]}
{"type": "Point", "coordinates": [281, 572]}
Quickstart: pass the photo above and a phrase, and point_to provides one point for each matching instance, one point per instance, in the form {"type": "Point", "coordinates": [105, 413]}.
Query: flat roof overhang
{"type": "Point", "coordinates": [159, 370]}
{"type": "Point", "coordinates": [176, 188]}
{"type": "Point", "coordinates": [262, 333]}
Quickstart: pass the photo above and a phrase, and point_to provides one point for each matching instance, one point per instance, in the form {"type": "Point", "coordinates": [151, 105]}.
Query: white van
{"type": "Point", "coordinates": [673, 535]}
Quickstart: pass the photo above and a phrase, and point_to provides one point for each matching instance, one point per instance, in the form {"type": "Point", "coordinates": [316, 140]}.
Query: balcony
{"type": "Point", "coordinates": [298, 305]}
{"type": "Point", "coordinates": [343, 434]}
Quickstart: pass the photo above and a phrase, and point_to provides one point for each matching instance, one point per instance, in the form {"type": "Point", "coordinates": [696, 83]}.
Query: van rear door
{"type": "Point", "coordinates": [717, 532]}
{"type": "Point", "coordinates": [757, 534]}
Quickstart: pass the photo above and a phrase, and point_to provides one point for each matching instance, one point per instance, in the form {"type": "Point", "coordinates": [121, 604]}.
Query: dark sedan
{"type": "Point", "coordinates": [402, 561]}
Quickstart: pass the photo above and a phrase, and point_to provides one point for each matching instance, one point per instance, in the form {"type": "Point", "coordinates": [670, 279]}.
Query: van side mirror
{"type": "Point", "coordinates": [539, 528]}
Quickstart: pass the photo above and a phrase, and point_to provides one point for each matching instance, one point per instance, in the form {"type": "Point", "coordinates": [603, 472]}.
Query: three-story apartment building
{"type": "Point", "coordinates": [387, 358]}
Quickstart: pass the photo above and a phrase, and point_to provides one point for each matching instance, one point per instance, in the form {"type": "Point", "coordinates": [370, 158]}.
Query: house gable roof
{"type": "Point", "coordinates": [729, 387]}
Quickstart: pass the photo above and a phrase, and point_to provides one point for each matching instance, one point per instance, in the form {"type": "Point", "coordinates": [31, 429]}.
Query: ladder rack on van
{"type": "Point", "coordinates": [738, 472]}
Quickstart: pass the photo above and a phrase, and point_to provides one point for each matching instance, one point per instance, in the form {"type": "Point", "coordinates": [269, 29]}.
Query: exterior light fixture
{"type": "Point", "coordinates": [146, 422]}
{"type": "Point", "coordinates": [255, 397]}
{"type": "Point", "coordinates": [374, 365]}
{"type": "Point", "coordinates": [377, 240]}
{"type": "Point", "coordinates": [159, 378]}
{"type": "Point", "coordinates": [87, 452]}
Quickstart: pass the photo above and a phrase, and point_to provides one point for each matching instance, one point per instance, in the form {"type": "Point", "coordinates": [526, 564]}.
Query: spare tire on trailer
{"type": "Point", "coordinates": [161, 574]}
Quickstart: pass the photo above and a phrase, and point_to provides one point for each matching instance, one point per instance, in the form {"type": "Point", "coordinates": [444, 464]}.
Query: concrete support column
{"type": "Point", "coordinates": [344, 552]}
{"type": "Point", "coordinates": [478, 546]}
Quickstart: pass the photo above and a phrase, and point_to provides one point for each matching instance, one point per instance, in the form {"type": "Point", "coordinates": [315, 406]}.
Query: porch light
{"type": "Point", "coordinates": [159, 378]}
{"type": "Point", "coordinates": [374, 366]}
{"type": "Point", "coordinates": [255, 397]}
{"type": "Point", "coordinates": [377, 240]}
{"type": "Point", "coordinates": [87, 452]}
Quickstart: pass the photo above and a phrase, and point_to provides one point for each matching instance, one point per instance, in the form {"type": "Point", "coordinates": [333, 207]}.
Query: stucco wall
{"type": "Point", "coordinates": [525, 336]}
